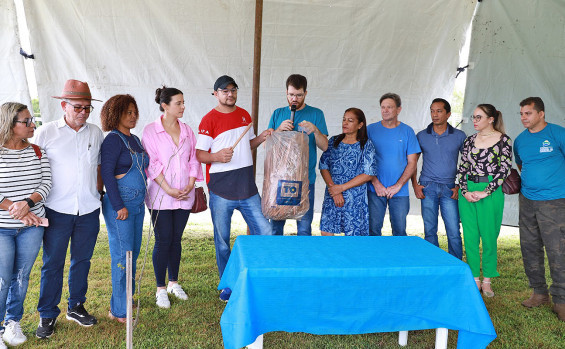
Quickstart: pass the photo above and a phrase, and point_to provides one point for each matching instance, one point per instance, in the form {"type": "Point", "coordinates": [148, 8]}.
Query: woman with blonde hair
{"type": "Point", "coordinates": [25, 181]}
{"type": "Point", "coordinates": [486, 160]}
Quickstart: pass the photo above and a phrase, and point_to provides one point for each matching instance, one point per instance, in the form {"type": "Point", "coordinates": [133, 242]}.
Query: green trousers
{"type": "Point", "coordinates": [481, 221]}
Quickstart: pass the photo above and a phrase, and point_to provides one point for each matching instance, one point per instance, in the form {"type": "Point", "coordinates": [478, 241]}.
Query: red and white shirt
{"type": "Point", "coordinates": [233, 180]}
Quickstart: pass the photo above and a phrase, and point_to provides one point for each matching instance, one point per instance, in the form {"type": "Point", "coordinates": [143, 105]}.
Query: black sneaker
{"type": "Point", "coordinates": [81, 316]}
{"type": "Point", "coordinates": [46, 327]}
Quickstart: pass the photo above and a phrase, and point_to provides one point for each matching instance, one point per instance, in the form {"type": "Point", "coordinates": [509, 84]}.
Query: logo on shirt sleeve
{"type": "Point", "coordinates": [546, 147]}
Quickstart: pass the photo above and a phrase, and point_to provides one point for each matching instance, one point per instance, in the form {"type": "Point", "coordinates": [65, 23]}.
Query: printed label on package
{"type": "Point", "coordinates": [289, 193]}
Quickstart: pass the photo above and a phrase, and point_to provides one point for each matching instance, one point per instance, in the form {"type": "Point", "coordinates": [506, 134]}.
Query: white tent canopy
{"type": "Point", "coordinates": [351, 52]}
{"type": "Point", "coordinates": [13, 86]}
{"type": "Point", "coordinates": [516, 52]}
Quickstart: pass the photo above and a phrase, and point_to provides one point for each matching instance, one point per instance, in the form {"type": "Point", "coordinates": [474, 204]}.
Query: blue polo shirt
{"type": "Point", "coordinates": [393, 145]}
{"type": "Point", "coordinates": [542, 157]}
{"type": "Point", "coordinates": [308, 113]}
{"type": "Point", "coordinates": [440, 154]}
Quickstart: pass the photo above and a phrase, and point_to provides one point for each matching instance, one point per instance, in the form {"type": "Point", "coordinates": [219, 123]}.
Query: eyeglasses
{"type": "Point", "coordinates": [78, 108]}
{"type": "Point", "coordinates": [476, 117]}
{"type": "Point", "coordinates": [225, 91]}
{"type": "Point", "coordinates": [298, 95]}
{"type": "Point", "coordinates": [27, 121]}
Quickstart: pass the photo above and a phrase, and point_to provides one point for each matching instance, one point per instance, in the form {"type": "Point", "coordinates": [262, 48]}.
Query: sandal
{"type": "Point", "coordinates": [488, 293]}
{"type": "Point", "coordinates": [121, 320]}
{"type": "Point", "coordinates": [478, 282]}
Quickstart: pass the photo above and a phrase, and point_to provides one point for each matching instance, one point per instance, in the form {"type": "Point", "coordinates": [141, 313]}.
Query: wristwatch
{"type": "Point", "coordinates": [30, 202]}
{"type": "Point", "coordinates": [102, 193]}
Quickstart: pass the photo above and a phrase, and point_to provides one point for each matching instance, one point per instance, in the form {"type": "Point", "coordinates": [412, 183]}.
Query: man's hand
{"type": "Point", "coordinates": [379, 188]}
{"type": "Point", "coordinates": [392, 190]}
{"type": "Point", "coordinates": [224, 155]}
{"type": "Point", "coordinates": [122, 214]}
{"type": "Point", "coordinates": [455, 194]}
{"type": "Point", "coordinates": [286, 126]}
{"type": "Point", "coordinates": [338, 200]}
{"type": "Point", "coordinates": [308, 126]}
{"type": "Point", "coordinates": [419, 191]}
{"type": "Point", "coordinates": [263, 136]}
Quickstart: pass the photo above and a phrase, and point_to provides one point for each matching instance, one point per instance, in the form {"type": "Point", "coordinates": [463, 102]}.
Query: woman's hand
{"type": "Point", "coordinates": [335, 189]}
{"type": "Point", "coordinates": [19, 209]}
{"type": "Point", "coordinates": [480, 195]}
{"type": "Point", "coordinates": [185, 191]}
{"type": "Point", "coordinates": [122, 214]}
{"type": "Point", "coordinates": [474, 196]}
{"type": "Point", "coordinates": [31, 219]}
{"type": "Point", "coordinates": [175, 193]}
{"type": "Point", "coordinates": [338, 200]}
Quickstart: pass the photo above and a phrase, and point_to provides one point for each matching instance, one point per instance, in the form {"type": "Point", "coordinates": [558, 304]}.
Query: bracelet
{"type": "Point", "coordinates": [102, 193]}
{"type": "Point", "coordinates": [30, 202]}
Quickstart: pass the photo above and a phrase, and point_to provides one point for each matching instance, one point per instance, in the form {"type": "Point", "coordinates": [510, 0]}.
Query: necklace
{"type": "Point", "coordinates": [486, 134]}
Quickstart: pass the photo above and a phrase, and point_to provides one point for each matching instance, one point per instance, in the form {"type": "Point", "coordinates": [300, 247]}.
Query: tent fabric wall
{"type": "Point", "coordinates": [517, 51]}
{"type": "Point", "coordinates": [351, 52]}
{"type": "Point", "coordinates": [14, 86]}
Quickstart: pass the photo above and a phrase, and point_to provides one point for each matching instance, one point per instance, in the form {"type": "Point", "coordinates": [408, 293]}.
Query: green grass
{"type": "Point", "coordinates": [195, 323]}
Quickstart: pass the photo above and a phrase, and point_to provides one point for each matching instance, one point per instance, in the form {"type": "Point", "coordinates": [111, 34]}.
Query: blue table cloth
{"type": "Point", "coordinates": [349, 285]}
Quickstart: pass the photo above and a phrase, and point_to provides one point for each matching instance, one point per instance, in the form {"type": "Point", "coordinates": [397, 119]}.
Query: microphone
{"type": "Point", "coordinates": [292, 111]}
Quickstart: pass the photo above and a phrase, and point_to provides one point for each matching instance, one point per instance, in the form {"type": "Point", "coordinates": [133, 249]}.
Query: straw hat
{"type": "Point", "coordinates": [75, 89]}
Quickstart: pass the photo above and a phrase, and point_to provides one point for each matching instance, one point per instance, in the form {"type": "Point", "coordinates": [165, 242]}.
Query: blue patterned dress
{"type": "Point", "coordinates": [345, 163]}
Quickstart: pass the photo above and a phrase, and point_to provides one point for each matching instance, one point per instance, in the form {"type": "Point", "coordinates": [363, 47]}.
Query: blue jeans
{"type": "Point", "coordinates": [398, 207]}
{"type": "Point", "coordinates": [222, 210]}
{"type": "Point", "coordinates": [304, 224]}
{"type": "Point", "coordinates": [123, 236]}
{"type": "Point", "coordinates": [438, 196]}
{"type": "Point", "coordinates": [82, 231]}
{"type": "Point", "coordinates": [18, 249]}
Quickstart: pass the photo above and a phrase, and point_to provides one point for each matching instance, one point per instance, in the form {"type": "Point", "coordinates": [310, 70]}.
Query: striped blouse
{"type": "Point", "coordinates": [22, 173]}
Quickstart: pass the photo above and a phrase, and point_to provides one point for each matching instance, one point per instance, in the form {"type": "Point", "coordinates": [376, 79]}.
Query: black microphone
{"type": "Point", "coordinates": [292, 111]}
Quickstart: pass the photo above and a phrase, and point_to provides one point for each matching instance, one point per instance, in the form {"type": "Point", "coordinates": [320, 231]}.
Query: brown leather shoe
{"type": "Point", "coordinates": [559, 309]}
{"type": "Point", "coordinates": [536, 300]}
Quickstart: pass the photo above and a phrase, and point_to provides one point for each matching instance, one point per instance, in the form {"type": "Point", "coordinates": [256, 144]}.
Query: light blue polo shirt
{"type": "Point", "coordinates": [542, 157]}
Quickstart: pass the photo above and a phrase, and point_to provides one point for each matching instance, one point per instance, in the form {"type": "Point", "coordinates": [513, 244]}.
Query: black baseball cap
{"type": "Point", "coordinates": [223, 81]}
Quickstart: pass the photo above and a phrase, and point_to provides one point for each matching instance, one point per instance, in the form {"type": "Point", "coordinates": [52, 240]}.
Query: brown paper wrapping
{"type": "Point", "coordinates": [285, 183]}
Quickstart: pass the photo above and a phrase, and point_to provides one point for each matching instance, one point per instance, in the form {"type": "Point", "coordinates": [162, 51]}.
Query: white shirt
{"type": "Point", "coordinates": [74, 158]}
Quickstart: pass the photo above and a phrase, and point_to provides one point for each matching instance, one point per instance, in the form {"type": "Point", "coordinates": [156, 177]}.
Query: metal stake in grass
{"type": "Point", "coordinates": [129, 298]}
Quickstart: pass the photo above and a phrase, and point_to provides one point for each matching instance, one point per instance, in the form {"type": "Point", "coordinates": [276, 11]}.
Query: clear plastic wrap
{"type": "Point", "coordinates": [285, 183]}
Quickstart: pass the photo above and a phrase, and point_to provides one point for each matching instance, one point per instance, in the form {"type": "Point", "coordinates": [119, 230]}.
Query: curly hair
{"type": "Point", "coordinates": [8, 116]}
{"type": "Point", "coordinates": [113, 110]}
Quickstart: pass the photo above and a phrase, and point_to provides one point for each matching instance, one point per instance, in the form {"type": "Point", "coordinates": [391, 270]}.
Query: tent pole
{"type": "Point", "coordinates": [256, 76]}
{"type": "Point", "coordinates": [256, 71]}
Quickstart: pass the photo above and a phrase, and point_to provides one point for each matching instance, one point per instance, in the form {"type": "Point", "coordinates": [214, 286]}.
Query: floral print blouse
{"type": "Point", "coordinates": [495, 161]}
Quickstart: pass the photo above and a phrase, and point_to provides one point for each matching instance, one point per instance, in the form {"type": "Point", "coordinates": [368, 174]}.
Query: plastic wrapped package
{"type": "Point", "coordinates": [285, 183]}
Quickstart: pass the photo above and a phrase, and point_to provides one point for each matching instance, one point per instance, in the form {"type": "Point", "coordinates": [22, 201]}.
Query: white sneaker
{"type": "Point", "coordinates": [13, 335]}
{"type": "Point", "coordinates": [176, 289]}
{"type": "Point", "coordinates": [163, 299]}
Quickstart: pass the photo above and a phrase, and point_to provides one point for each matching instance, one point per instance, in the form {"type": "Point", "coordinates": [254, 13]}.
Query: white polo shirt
{"type": "Point", "coordinates": [74, 158]}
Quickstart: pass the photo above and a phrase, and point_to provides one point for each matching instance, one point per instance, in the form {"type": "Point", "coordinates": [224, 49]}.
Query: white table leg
{"type": "Point", "coordinates": [258, 344]}
{"type": "Point", "coordinates": [441, 338]}
{"type": "Point", "coordinates": [402, 338]}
